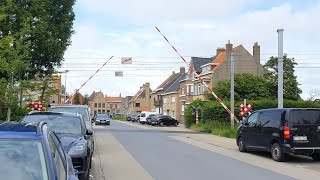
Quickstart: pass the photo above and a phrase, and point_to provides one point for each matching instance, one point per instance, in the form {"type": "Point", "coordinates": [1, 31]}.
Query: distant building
{"type": "Point", "coordinates": [103, 104]}
{"type": "Point", "coordinates": [141, 100]}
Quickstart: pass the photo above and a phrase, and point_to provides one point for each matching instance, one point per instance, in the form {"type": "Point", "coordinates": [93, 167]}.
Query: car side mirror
{"type": "Point", "coordinates": [89, 132]}
{"type": "Point", "coordinates": [245, 122]}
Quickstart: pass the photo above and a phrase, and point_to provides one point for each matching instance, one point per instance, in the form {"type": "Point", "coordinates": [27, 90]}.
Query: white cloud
{"type": "Point", "coordinates": [199, 27]}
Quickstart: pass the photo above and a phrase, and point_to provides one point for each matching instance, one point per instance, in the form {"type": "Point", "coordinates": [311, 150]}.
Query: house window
{"type": "Point", "coordinates": [137, 104]}
{"type": "Point", "coordinates": [99, 105]}
{"type": "Point", "coordinates": [199, 89]}
{"type": "Point", "coordinates": [165, 100]}
{"type": "Point", "coordinates": [188, 90]}
{"type": "Point", "coordinates": [103, 105]}
{"type": "Point", "coordinates": [182, 109]}
{"type": "Point", "coordinates": [182, 91]}
{"type": "Point", "coordinates": [192, 89]}
{"type": "Point", "coordinates": [173, 99]}
{"type": "Point", "coordinates": [95, 105]}
{"type": "Point", "coordinates": [103, 111]}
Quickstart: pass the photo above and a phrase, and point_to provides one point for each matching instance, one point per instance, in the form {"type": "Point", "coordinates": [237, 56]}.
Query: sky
{"type": "Point", "coordinates": [126, 28]}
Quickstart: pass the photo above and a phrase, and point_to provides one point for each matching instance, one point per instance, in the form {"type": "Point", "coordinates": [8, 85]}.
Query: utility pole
{"type": "Point", "coordinates": [232, 90]}
{"type": "Point", "coordinates": [280, 68]}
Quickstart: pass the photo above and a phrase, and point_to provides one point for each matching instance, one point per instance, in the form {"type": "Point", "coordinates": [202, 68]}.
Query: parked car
{"type": "Point", "coordinates": [32, 152]}
{"type": "Point", "coordinates": [135, 118]}
{"type": "Point", "coordinates": [282, 131]}
{"type": "Point", "coordinates": [162, 120]}
{"type": "Point", "coordinates": [149, 118]}
{"type": "Point", "coordinates": [82, 109]}
{"type": "Point", "coordinates": [144, 115]}
{"type": "Point", "coordinates": [102, 119]}
{"type": "Point", "coordinates": [129, 117]}
{"type": "Point", "coordinates": [76, 139]}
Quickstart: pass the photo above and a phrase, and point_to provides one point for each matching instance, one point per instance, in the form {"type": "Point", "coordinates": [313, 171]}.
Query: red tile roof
{"type": "Point", "coordinates": [221, 58]}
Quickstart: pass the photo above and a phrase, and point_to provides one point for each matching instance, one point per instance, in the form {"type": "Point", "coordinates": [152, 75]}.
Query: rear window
{"type": "Point", "coordinates": [82, 111]}
{"type": "Point", "coordinates": [102, 116]}
{"type": "Point", "coordinates": [304, 117]}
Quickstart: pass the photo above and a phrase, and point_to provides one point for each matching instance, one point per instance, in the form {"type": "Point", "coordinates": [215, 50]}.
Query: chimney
{"type": "Point", "coordinates": [147, 84]}
{"type": "Point", "coordinates": [220, 50]}
{"type": "Point", "coordinates": [173, 72]}
{"type": "Point", "coordinates": [120, 95]}
{"type": "Point", "coordinates": [228, 50]}
{"type": "Point", "coordinates": [182, 70]}
{"type": "Point", "coordinates": [256, 52]}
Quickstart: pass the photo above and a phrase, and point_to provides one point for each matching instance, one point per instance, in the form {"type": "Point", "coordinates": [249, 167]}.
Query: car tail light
{"type": "Point", "coordinates": [286, 132]}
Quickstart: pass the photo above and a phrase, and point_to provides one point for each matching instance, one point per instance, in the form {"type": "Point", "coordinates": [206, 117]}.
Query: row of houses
{"type": "Point", "coordinates": [179, 89]}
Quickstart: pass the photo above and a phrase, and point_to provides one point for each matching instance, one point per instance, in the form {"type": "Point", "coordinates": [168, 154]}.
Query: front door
{"type": "Point", "coordinates": [251, 130]}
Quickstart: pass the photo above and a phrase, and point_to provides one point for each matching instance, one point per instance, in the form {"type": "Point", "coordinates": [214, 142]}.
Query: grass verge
{"type": "Point", "coordinates": [119, 118]}
{"type": "Point", "coordinates": [216, 128]}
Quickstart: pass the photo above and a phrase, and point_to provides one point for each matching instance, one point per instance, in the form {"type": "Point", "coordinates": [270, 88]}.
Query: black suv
{"type": "Point", "coordinates": [281, 132]}
{"type": "Point", "coordinates": [76, 140]}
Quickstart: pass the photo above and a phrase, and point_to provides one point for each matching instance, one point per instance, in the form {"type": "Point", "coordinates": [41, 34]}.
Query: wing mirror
{"type": "Point", "coordinates": [89, 132]}
{"type": "Point", "coordinates": [245, 122]}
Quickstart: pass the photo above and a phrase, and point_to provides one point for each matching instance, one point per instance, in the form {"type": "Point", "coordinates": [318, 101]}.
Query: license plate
{"type": "Point", "coordinates": [300, 138]}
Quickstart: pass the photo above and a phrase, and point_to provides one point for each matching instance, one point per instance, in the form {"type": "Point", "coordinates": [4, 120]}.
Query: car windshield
{"type": "Point", "coordinates": [59, 124]}
{"type": "Point", "coordinates": [304, 117]}
{"type": "Point", "coordinates": [102, 116]}
{"type": "Point", "coordinates": [143, 115]}
{"type": "Point", "coordinates": [22, 160]}
{"type": "Point", "coordinates": [82, 111]}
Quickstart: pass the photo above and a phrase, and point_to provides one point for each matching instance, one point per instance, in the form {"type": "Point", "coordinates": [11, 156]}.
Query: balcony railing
{"type": "Point", "coordinates": [158, 103]}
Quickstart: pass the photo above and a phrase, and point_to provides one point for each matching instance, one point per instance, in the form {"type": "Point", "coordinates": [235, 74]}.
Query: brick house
{"type": "Point", "coordinates": [171, 104]}
{"type": "Point", "coordinates": [141, 100]}
{"type": "Point", "coordinates": [157, 100]}
{"type": "Point", "coordinates": [219, 68]}
{"type": "Point", "coordinates": [103, 104]}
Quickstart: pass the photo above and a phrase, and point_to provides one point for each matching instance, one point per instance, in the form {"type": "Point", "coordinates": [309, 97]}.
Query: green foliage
{"type": "Point", "coordinates": [86, 99]}
{"type": "Point", "coordinates": [119, 118]}
{"type": "Point", "coordinates": [77, 99]}
{"type": "Point", "coordinates": [189, 117]}
{"type": "Point", "coordinates": [291, 90]}
{"type": "Point", "coordinates": [217, 128]}
{"type": "Point", "coordinates": [246, 86]}
{"type": "Point", "coordinates": [43, 25]}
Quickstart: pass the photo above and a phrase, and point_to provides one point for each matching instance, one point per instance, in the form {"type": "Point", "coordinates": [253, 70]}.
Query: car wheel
{"type": "Point", "coordinates": [175, 124]}
{"type": "Point", "coordinates": [315, 157]}
{"type": "Point", "coordinates": [241, 145]}
{"type": "Point", "coordinates": [161, 124]}
{"type": "Point", "coordinates": [276, 152]}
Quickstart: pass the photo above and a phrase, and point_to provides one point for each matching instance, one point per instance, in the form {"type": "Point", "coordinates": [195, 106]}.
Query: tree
{"type": "Point", "coordinates": [76, 99]}
{"type": "Point", "coordinates": [313, 93]}
{"type": "Point", "coordinates": [86, 99]}
{"type": "Point", "coordinates": [247, 86]}
{"type": "Point", "coordinates": [46, 25]}
{"type": "Point", "coordinates": [291, 91]}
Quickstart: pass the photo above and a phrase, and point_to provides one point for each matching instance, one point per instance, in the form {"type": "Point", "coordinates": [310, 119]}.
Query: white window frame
{"type": "Point", "coordinates": [173, 99]}
{"type": "Point", "coordinates": [164, 100]}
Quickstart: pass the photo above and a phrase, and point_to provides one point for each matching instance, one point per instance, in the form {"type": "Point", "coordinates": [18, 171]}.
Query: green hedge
{"type": "Point", "coordinates": [214, 112]}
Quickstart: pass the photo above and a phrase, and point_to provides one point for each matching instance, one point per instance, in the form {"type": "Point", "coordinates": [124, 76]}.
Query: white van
{"type": "Point", "coordinates": [144, 115]}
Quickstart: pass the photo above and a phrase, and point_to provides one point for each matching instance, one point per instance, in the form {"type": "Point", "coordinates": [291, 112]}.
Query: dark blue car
{"type": "Point", "coordinates": [32, 152]}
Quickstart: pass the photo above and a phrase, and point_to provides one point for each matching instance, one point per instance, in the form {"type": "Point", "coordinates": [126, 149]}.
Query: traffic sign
{"type": "Point", "coordinates": [244, 109]}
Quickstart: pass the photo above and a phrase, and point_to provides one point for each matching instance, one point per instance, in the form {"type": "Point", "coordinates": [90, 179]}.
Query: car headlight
{"type": "Point", "coordinates": [77, 149]}
{"type": "Point", "coordinates": [98, 120]}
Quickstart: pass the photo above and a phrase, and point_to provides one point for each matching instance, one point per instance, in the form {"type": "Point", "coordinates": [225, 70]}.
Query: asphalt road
{"type": "Point", "coordinates": [128, 152]}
